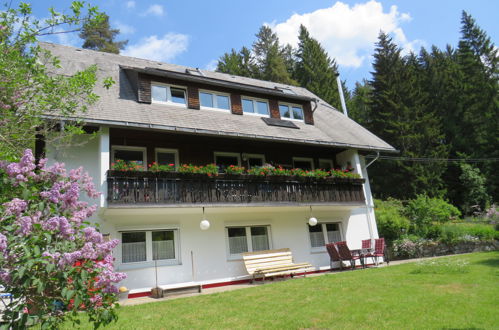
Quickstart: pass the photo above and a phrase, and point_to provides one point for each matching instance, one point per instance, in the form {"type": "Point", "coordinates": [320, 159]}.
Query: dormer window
{"type": "Point", "coordinates": [291, 111]}
{"type": "Point", "coordinates": [161, 93]}
{"type": "Point", "coordinates": [255, 106]}
{"type": "Point", "coordinates": [214, 100]}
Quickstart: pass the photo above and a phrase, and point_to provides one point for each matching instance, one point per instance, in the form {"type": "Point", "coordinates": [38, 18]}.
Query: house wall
{"type": "Point", "coordinates": [199, 150]}
{"type": "Point", "coordinates": [288, 229]}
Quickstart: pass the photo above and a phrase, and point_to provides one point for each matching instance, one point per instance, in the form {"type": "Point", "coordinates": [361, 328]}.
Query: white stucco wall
{"type": "Point", "coordinates": [288, 229]}
{"type": "Point", "coordinates": [288, 225]}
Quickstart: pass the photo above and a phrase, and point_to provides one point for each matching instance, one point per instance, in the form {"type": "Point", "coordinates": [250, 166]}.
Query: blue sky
{"type": "Point", "coordinates": [197, 33]}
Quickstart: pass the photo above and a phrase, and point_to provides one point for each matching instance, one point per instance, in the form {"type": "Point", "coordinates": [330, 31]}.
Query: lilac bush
{"type": "Point", "coordinates": [51, 260]}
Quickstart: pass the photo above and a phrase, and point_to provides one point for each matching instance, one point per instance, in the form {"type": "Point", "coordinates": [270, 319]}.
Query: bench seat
{"type": "Point", "coordinates": [268, 263]}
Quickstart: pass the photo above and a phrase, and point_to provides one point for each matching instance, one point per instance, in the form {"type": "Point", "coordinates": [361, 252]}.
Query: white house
{"type": "Point", "coordinates": [158, 112]}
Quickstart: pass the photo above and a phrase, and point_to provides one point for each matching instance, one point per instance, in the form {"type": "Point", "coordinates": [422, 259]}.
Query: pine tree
{"type": "Point", "coordinates": [399, 114]}
{"type": "Point", "coordinates": [99, 36]}
{"type": "Point", "coordinates": [237, 63]}
{"type": "Point", "coordinates": [314, 69]}
{"type": "Point", "coordinates": [358, 104]}
{"type": "Point", "coordinates": [478, 62]}
{"type": "Point", "coordinates": [271, 57]}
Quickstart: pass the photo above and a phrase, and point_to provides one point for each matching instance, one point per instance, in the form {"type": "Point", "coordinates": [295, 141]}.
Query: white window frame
{"type": "Point", "coordinates": [214, 100]}
{"type": "Point", "coordinates": [324, 232]}
{"type": "Point", "coordinates": [290, 107]}
{"type": "Point", "coordinates": [304, 159]}
{"type": "Point", "coordinates": [227, 154]}
{"type": "Point", "coordinates": [255, 100]}
{"type": "Point", "coordinates": [165, 150]}
{"type": "Point", "coordinates": [246, 157]}
{"type": "Point", "coordinates": [149, 262]}
{"type": "Point", "coordinates": [325, 160]}
{"type": "Point", "coordinates": [169, 94]}
{"type": "Point", "coordinates": [247, 227]}
{"type": "Point", "coordinates": [143, 149]}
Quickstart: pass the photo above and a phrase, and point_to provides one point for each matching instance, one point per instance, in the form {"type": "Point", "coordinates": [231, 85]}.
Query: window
{"type": "Point", "coordinates": [133, 247]}
{"type": "Point", "coordinates": [148, 246]}
{"type": "Point", "coordinates": [325, 164]}
{"type": "Point", "coordinates": [214, 100]}
{"type": "Point", "coordinates": [255, 106]}
{"type": "Point", "coordinates": [168, 94]}
{"type": "Point", "coordinates": [129, 154]}
{"type": "Point", "coordinates": [253, 160]}
{"type": "Point", "coordinates": [291, 111]}
{"type": "Point", "coordinates": [167, 157]}
{"type": "Point", "coordinates": [225, 159]}
{"type": "Point", "coordinates": [247, 239]}
{"type": "Point", "coordinates": [324, 233]}
{"type": "Point", "coordinates": [303, 163]}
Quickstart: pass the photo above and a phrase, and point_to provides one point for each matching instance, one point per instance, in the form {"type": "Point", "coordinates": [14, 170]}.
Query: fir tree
{"type": "Point", "coordinates": [237, 63]}
{"type": "Point", "coordinates": [314, 69]}
{"type": "Point", "coordinates": [99, 36]}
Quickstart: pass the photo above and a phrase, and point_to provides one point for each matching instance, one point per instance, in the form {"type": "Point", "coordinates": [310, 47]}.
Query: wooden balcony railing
{"type": "Point", "coordinates": [146, 188]}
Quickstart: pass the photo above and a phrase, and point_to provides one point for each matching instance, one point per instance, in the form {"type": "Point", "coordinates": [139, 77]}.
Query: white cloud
{"type": "Point", "coordinates": [211, 66]}
{"type": "Point", "coordinates": [348, 33]}
{"type": "Point", "coordinates": [130, 4]}
{"type": "Point", "coordinates": [159, 49]}
{"type": "Point", "coordinates": [156, 10]}
{"type": "Point", "coordinates": [124, 28]}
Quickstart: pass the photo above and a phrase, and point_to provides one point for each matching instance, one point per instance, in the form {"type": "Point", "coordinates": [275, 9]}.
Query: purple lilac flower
{"type": "Point", "coordinates": [3, 243]}
{"type": "Point", "coordinates": [15, 207]}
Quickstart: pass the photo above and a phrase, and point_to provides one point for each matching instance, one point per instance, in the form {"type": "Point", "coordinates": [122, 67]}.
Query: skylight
{"type": "Point", "coordinates": [194, 72]}
{"type": "Point", "coordinates": [285, 90]}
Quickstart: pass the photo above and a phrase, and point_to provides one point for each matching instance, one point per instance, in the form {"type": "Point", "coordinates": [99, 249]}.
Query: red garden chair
{"type": "Point", "coordinates": [334, 256]}
{"type": "Point", "coordinates": [346, 254]}
{"type": "Point", "coordinates": [379, 251]}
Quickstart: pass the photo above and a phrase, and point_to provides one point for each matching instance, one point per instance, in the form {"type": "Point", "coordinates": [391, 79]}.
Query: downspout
{"type": "Point", "coordinates": [368, 207]}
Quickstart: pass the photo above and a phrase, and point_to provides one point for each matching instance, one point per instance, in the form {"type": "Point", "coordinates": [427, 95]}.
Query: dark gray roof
{"type": "Point", "coordinates": [118, 106]}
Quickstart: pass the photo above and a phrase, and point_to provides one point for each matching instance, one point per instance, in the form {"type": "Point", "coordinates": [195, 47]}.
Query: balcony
{"type": "Point", "coordinates": [145, 189]}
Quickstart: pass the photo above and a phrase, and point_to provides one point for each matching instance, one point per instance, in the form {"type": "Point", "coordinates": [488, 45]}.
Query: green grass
{"type": "Point", "coordinates": [462, 292]}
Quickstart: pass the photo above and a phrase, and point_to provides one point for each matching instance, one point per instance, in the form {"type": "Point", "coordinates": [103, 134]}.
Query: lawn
{"type": "Point", "coordinates": [454, 292]}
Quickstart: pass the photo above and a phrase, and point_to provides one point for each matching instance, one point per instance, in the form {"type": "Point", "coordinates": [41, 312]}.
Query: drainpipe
{"type": "Point", "coordinates": [342, 97]}
{"type": "Point", "coordinates": [368, 207]}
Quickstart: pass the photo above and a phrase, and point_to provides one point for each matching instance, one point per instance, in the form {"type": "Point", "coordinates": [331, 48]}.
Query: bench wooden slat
{"type": "Point", "coordinates": [272, 263]}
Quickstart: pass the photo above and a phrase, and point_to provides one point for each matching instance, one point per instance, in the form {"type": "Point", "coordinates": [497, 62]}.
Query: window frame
{"type": "Point", "coordinates": [149, 262]}
{"type": "Point", "coordinates": [214, 100]}
{"type": "Point", "coordinates": [169, 94]}
{"type": "Point", "coordinates": [304, 159]}
{"type": "Point", "coordinates": [130, 148]}
{"type": "Point", "coordinates": [227, 154]}
{"type": "Point", "coordinates": [290, 107]}
{"type": "Point", "coordinates": [323, 225]}
{"type": "Point", "coordinates": [246, 157]}
{"type": "Point", "coordinates": [255, 100]}
{"type": "Point", "coordinates": [327, 160]}
{"type": "Point", "coordinates": [249, 242]}
{"type": "Point", "coordinates": [167, 150]}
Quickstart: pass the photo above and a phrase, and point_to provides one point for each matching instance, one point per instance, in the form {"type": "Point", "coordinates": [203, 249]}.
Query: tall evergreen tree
{"type": "Point", "coordinates": [478, 61]}
{"type": "Point", "coordinates": [271, 57]}
{"type": "Point", "coordinates": [238, 63]}
{"type": "Point", "coordinates": [314, 69]}
{"type": "Point", "coordinates": [398, 114]}
{"type": "Point", "coordinates": [99, 36]}
{"type": "Point", "coordinates": [358, 104]}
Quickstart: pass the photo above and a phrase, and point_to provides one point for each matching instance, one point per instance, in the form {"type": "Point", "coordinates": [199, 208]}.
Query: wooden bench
{"type": "Point", "coordinates": [268, 263]}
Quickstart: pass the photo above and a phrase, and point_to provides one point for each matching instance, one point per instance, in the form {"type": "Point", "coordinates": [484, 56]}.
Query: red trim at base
{"type": "Point", "coordinates": [219, 284]}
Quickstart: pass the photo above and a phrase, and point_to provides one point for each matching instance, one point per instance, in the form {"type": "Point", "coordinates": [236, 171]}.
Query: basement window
{"type": "Point", "coordinates": [247, 239]}
{"type": "Point", "coordinates": [167, 94]}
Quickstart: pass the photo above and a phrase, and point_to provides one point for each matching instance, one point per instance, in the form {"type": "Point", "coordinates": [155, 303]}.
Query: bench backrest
{"type": "Point", "coordinates": [266, 259]}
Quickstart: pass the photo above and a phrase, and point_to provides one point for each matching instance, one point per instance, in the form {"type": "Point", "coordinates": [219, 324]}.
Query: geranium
{"type": "Point", "coordinates": [121, 165]}
{"type": "Point", "coordinates": [155, 167]}
{"type": "Point", "coordinates": [233, 169]}
{"type": "Point", "coordinates": [43, 236]}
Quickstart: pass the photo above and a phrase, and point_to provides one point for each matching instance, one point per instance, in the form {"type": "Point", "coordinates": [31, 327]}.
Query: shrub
{"type": "Point", "coordinates": [390, 219]}
{"type": "Point", "coordinates": [455, 232]}
{"type": "Point", "coordinates": [408, 247]}
{"type": "Point", "coordinates": [49, 255]}
{"type": "Point", "coordinates": [424, 212]}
